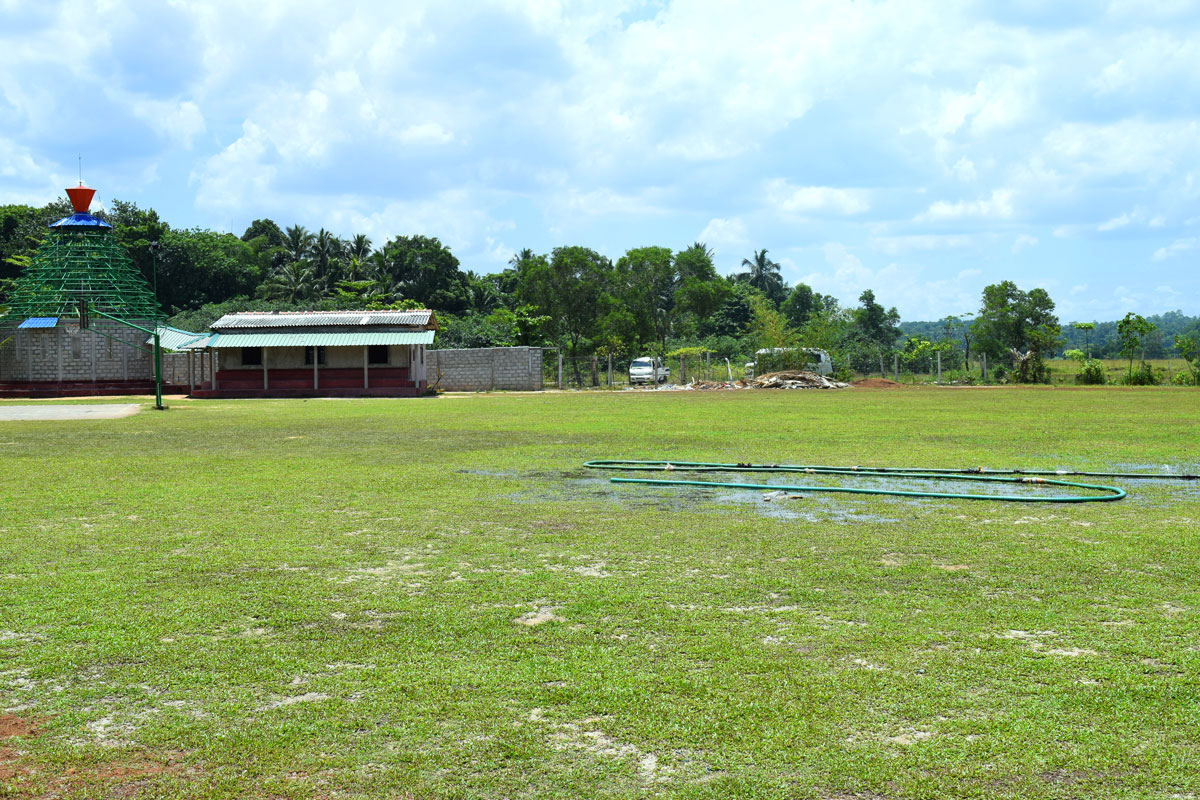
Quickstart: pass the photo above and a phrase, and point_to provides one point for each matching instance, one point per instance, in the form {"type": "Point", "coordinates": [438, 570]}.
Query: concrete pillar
{"type": "Point", "coordinates": [266, 378]}
{"type": "Point", "coordinates": [366, 381]}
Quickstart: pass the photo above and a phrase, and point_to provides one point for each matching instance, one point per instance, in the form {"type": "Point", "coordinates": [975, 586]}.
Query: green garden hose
{"type": "Point", "coordinates": [1021, 476]}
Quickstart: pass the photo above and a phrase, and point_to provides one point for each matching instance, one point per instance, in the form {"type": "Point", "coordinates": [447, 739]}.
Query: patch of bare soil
{"type": "Point", "coordinates": [11, 725]}
{"type": "Point", "coordinates": [876, 383]}
{"type": "Point", "coordinates": [22, 777]}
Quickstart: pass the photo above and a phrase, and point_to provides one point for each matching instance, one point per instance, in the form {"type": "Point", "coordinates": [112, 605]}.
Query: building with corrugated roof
{"type": "Point", "coordinates": [313, 353]}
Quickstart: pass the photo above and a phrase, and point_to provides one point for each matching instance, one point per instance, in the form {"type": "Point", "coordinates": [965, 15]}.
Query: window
{"type": "Point", "coordinates": [308, 355]}
{"type": "Point", "coordinates": [251, 356]}
{"type": "Point", "coordinates": [377, 354]}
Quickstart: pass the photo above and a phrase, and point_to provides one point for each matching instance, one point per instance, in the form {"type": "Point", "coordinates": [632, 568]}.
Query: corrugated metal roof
{"type": "Point", "coordinates": [79, 220]}
{"type": "Point", "coordinates": [223, 340]}
{"type": "Point", "coordinates": [175, 338]}
{"type": "Point", "coordinates": [39, 322]}
{"type": "Point", "coordinates": [309, 319]}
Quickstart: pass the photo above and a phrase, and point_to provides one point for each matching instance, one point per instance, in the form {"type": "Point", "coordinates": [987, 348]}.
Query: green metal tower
{"type": "Point", "coordinates": [81, 263]}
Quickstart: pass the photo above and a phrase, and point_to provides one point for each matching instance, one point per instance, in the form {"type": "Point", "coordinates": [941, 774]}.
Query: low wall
{"type": "Point", "coordinates": [107, 351]}
{"type": "Point", "coordinates": [484, 369]}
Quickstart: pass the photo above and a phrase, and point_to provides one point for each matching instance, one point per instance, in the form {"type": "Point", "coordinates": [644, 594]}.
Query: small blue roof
{"type": "Point", "coordinates": [80, 220]}
{"type": "Point", "coordinates": [39, 322]}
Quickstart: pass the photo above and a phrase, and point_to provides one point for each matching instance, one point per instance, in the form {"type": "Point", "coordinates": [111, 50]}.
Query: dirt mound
{"type": "Point", "coordinates": [876, 383]}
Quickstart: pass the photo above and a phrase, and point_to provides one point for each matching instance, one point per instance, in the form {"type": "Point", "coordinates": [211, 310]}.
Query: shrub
{"type": "Point", "coordinates": [1091, 373]}
{"type": "Point", "coordinates": [1144, 376]}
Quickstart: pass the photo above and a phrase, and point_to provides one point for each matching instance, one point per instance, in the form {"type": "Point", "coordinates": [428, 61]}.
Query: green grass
{"type": "Point", "coordinates": [327, 598]}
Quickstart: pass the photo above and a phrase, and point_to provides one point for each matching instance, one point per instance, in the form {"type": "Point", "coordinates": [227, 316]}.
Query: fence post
{"type": "Point", "coordinates": [896, 367]}
{"type": "Point", "coordinates": [595, 371]}
{"type": "Point", "coordinates": [610, 383]}
{"type": "Point", "coordinates": [882, 371]}
{"type": "Point", "coordinates": [559, 381]}
{"type": "Point", "coordinates": [682, 369]}
{"type": "Point", "coordinates": [939, 366]}
{"type": "Point", "coordinates": [983, 368]}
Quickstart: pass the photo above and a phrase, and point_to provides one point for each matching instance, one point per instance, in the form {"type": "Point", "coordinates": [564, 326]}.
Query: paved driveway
{"type": "Point", "coordinates": [82, 411]}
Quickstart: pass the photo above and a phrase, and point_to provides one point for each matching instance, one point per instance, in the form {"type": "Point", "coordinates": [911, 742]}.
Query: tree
{"type": "Point", "coordinates": [297, 241]}
{"type": "Point", "coordinates": [646, 280]}
{"type": "Point", "coordinates": [1011, 320]}
{"type": "Point", "coordinates": [731, 318]}
{"type": "Point", "coordinates": [571, 287]}
{"type": "Point", "coordinates": [1189, 348]}
{"type": "Point", "coordinates": [1087, 328]}
{"type": "Point", "coordinates": [359, 247]}
{"type": "Point", "coordinates": [199, 266]}
{"type": "Point", "coordinates": [293, 281]}
{"type": "Point", "coordinates": [763, 274]}
{"type": "Point", "coordinates": [801, 302]}
{"type": "Point", "coordinates": [771, 332]}
{"type": "Point", "coordinates": [421, 268]}
{"type": "Point", "coordinates": [1132, 331]}
{"type": "Point", "coordinates": [264, 228]}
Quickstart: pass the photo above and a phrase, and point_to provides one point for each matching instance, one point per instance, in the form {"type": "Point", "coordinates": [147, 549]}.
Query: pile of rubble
{"type": "Point", "coordinates": [798, 379]}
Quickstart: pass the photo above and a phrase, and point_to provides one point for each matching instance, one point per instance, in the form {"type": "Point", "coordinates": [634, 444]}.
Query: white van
{"type": "Point", "coordinates": [648, 369]}
{"type": "Point", "coordinates": [818, 361]}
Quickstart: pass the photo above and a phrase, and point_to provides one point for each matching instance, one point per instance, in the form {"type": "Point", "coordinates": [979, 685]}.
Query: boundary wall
{"type": "Point", "coordinates": [485, 369]}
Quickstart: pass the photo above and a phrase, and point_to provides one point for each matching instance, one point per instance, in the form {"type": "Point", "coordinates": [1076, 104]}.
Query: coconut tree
{"type": "Point", "coordinates": [297, 242]}
{"type": "Point", "coordinates": [763, 274]}
{"type": "Point", "coordinates": [359, 247]}
{"type": "Point", "coordinates": [293, 281]}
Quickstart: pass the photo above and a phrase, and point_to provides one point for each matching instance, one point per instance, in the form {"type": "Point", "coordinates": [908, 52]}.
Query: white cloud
{"type": "Point", "coordinates": [964, 170]}
{"type": "Point", "coordinates": [1175, 248]}
{"type": "Point", "coordinates": [1114, 223]}
{"type": "Point", "coordinates": [722, 232]}
{"type": "Point", "coordinates": [791, 199]}
{"type": "Point", "coordinates": [894, 245]}
{"type": "Point", "coordinates": [1023, 242]}
{"type": "Point", "coordinates": [997, 206]}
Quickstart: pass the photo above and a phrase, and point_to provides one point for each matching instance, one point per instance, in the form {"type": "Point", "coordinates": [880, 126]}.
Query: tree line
{"type": "Point", "coordinates": [651, 300]}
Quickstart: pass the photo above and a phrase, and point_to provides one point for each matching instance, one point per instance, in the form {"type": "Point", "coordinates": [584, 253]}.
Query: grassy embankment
{"type": "Point", "coordinates": [431, 597]}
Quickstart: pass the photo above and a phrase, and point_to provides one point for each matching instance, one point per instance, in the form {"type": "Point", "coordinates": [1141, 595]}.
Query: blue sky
{"type": "Point", "coordinates": [919, 149]}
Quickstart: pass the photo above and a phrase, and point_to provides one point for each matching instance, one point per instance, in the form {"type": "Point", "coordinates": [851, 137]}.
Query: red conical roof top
{"type": "Point", "coordinates": [81, 198]}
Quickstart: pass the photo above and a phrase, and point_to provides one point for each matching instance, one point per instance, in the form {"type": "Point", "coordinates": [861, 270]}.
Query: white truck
{"type": "Point", "coordinates": [648, 369]}
{"type": "Point", "coordinates": [775, 358]}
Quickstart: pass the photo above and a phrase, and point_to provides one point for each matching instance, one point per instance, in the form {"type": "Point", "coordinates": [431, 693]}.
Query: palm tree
{"type": "Point", "coordinates": [297, 242]}
{"type": "Point", "coordinates": [764, 274]}
{"type": "Point", "coordinates": [324, 250]}
{"type": "Point", "coordinates": [360, 246]}
{"type": "Point", "coordinates": [293, 281]}
{"type": "Point", "coordinates": [526, 254]}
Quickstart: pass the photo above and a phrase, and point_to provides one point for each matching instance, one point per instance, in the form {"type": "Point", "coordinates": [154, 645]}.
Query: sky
{"type": "Point", "coordinates": [922, 150]}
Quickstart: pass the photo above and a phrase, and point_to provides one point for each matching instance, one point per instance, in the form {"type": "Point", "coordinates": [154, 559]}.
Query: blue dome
{"type": "Point", "coordinates": [80, 220]}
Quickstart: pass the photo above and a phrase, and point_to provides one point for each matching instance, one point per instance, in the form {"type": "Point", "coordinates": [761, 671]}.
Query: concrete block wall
{"type": "Point", "coordinates": [484, 369]}
{"type": "Point", "coordinates": [107, 351]}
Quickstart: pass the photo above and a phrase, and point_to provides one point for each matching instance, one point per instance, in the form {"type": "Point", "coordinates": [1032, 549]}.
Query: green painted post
{"type": "Point", "coordinates": [158, 404]}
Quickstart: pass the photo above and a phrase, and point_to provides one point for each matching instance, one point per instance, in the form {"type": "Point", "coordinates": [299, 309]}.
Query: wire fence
{"type": "Point", "coordinates": [613, 372]}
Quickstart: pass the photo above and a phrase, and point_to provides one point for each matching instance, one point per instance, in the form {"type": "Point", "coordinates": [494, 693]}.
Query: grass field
{"type": "Point", "coordinates": [432, 599]}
